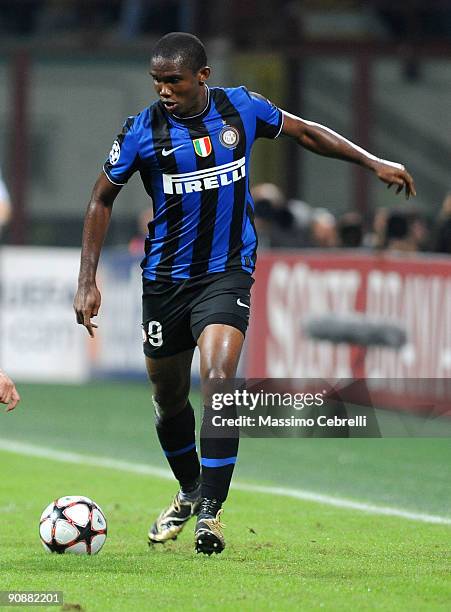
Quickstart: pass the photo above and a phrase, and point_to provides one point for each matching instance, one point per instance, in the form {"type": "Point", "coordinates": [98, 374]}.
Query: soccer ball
{"type": "Point", "coordinates": [73, 524]}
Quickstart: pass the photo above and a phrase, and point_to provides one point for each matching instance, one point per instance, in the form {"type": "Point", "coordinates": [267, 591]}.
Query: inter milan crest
{"type": "Point", "coordinates": [202, 146]}
{"type": "Point", "coordinates": [229, 137]}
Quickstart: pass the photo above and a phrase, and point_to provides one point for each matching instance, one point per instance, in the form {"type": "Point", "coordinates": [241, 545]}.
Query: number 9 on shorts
{"type": "Point", "coordinates": [153, 333]}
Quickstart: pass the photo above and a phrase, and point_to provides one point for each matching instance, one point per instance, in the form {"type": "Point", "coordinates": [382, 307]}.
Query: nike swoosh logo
{"type": "Point", "coordinates": [166, 152]}
{"type": "Point", "coordinates": [240, 303]}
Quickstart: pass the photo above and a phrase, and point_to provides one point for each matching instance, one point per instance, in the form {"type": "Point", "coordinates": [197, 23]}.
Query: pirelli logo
{"type": "Point", "coordinates": [211, 178]}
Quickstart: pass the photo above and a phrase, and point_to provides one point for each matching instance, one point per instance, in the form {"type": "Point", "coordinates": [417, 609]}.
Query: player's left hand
{"type": "Point", "coordinates": [8, 392]}
{"type": "Point", "coordinates": [394, 174]}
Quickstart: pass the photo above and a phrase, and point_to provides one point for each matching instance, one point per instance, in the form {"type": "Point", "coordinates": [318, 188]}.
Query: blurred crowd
{"type": "Point", "coordinates": [243, 22]}
{"type": "Point", "coordinates": [283, 223]}
{"type": "Point", "coordinates": [128, 18]}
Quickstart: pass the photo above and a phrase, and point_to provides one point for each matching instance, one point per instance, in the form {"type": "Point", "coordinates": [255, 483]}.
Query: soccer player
{"type": "Point", "coordinates": [8, 392]}
{"type": "Point", "coordinates": [5, 205]}
{"type": "Point", "coordinates": [192, 149]}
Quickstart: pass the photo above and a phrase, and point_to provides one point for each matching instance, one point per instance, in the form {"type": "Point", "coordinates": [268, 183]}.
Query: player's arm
{"type": "Point", "coordinates": [8, 392]}
{"type": "Point", "coordinates": [87, 299]}
{"type": "Point", "coordinates": [323, 141]}
{"type": "Point", "coordinates": [5, 204]}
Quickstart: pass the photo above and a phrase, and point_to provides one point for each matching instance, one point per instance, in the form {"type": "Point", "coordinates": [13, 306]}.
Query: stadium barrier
{"type": "Point", "coordinates": [411, 291]}
{"type": "Point", "coordinates": [40, 341]}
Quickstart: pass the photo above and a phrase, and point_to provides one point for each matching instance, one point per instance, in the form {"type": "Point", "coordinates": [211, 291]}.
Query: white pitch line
{"type": "Point", "coordinates": [31, 450]}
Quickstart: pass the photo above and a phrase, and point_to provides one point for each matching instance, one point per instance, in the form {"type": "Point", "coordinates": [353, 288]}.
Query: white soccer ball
{"type": "Point", "coordinates": [73, 524]}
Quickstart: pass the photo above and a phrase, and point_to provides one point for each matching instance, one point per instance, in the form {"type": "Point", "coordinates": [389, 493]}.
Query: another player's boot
{"type": "Point", "coordinates": [208, 534]}
{"type": "Point", "coordinates": [172, 520]}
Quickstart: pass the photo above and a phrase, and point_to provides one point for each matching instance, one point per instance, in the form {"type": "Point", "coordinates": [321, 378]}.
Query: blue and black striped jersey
{"type": "Point", "coordinates": [196, 172]}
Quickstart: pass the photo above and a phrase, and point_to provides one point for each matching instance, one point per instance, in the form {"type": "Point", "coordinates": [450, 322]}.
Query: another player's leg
{"type": "Point", "coordinates": [174, 421]}
{"type": "Point", "coordinates": [220, 348]}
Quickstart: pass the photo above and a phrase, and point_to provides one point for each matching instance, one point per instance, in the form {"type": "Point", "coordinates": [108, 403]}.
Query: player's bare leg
{"type": "Point", "coordinates": [171, 380]}
{"type": "Point", "coordinates": [174, 419]}
{"type": "Point", "coordinates": [220, 349]}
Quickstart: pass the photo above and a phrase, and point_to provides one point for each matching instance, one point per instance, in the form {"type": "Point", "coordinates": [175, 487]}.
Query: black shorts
{"type": "Point", "coordinates": [175, 314]}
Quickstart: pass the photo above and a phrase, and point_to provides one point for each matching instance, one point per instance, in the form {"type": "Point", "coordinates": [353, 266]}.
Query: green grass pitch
{"type": "Point", "coordinates": [281, 554]}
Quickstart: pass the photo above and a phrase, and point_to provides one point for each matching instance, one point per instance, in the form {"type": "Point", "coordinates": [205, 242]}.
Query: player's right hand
{"type": "Point", "coordinates": [8, 392]}
{"type": "Point", "coordinates": [86, 305]}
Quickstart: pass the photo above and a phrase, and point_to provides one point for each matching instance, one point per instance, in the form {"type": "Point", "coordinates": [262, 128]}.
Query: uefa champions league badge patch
{"type": "Point", "coordinates": [229, 137]}
{"type": "Point", "coordinates": [115, 153]}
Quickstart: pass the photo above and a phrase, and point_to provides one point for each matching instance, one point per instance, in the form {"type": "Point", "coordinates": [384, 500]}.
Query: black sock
{"type": "Point", "coordinates": [178, 441]}
{"type": "Point", "coordinates": [219, 454]}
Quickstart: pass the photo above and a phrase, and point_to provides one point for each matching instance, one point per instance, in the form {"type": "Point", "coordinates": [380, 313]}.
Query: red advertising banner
{"type": "Point", "coordinates": [411, 291]}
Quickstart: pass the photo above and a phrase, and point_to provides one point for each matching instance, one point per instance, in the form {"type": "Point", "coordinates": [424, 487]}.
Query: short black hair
{"type": "Point", "coordinates": [397, 225]}
{"type": "Point", "coordinates": [350, 229]}
{"type": "Point", "coordinates": [181, 47]}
